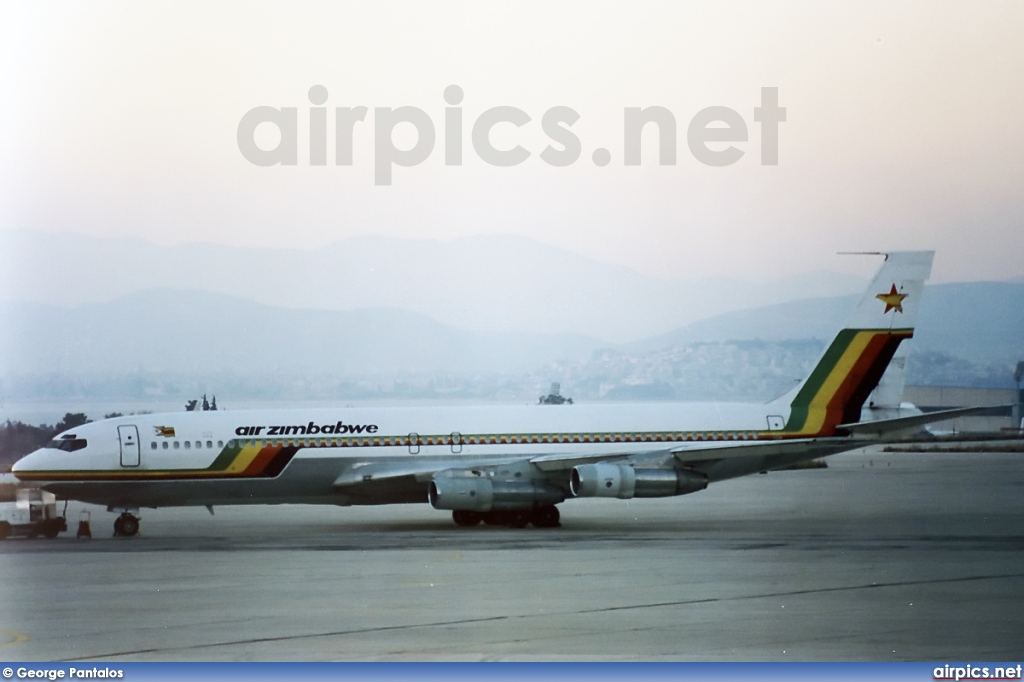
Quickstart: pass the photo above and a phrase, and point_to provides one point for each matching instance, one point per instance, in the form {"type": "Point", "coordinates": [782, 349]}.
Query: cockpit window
{"type": "Point", "coordinates": [67, 443]}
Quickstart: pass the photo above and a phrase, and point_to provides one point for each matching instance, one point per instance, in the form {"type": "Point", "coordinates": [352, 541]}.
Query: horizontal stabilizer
{"type": "Point", "coordinates": [881, 427]}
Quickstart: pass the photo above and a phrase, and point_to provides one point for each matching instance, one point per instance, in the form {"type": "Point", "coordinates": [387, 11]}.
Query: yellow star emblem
{"type": "Point", "coordinates": [892, 300]}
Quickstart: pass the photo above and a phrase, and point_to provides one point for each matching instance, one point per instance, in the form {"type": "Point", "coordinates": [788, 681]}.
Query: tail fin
{"type": "Point", "coordinates": [854, 362]}
{"type": "Point", "coordinates": [886, 401]}
{"type": "Point", "coordinates": [888, 395]}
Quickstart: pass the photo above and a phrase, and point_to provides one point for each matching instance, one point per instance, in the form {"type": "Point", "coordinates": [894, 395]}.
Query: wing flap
{"type": "Point", "coordinates": [566, 462]}
{"type": "Point", "coordinates": [368, 472]}
{"type": "Point", "coordinates": [811, 447]}
{"type": "Point", "coordinates": [360, 473]}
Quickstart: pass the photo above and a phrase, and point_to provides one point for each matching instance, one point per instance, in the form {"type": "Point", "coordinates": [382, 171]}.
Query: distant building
{"type": "Point", "coordinates": [555, 396]}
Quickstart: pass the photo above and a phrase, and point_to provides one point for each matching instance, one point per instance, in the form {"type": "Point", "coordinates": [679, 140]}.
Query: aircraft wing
{"type": "Point", "coordinates": [695, 453]}
{"type": "Point", "coordinates": [704, 452]}
{"type": "Point", "coordinates": [794, 447]}
{"type": "Point", "coordinates": [368, 472]}
{"type": "Point", "coordinates": [690, 454]}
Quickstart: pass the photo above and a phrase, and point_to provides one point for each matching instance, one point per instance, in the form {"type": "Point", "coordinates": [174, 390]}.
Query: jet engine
{"type": "Point", "coordinates": [625, 482]}
{"type": "Point", "coordinates": [485, 494]}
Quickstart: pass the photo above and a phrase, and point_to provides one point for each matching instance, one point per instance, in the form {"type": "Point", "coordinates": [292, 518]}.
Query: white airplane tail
{"type": "Point", "coordinates": [854, 362]}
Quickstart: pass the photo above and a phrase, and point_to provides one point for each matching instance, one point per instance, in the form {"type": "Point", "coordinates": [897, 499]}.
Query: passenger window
{"type": "Point", "coordinates": [220, 444]}
{"type": "Point", "coordinates": [209, 443]}
{"type": "Point", "coordinates": [177, 445]}
{"type": "Point", "coordinates": [152, 445]}
{"type": "Point", "coordinates": [199, 444]}
{"type": "Point", "coordinates": [188, 444]}
{"type": "Point", "coordinates": [165, 445]}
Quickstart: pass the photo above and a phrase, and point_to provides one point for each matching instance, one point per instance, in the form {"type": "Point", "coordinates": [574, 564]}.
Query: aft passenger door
{"type": "Point", "coordinates": [129, 437]}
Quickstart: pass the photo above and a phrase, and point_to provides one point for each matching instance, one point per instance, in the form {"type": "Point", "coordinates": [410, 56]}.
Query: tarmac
{"type": "Point", "coordinates": [880, 556]}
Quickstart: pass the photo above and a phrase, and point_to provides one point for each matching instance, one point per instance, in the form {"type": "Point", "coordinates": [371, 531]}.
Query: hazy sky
{"type": "Point", "coordinates": [903, 126]}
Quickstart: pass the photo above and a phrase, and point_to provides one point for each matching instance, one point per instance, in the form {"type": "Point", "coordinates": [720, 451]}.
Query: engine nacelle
{"type": "Point", "coordinates": [485, 494]}
{"type": "Point", "coordinates": [625, 482]}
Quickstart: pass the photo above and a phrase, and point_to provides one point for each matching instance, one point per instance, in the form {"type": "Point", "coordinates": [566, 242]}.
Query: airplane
{"type": "Point", "coordinates": [499, 465]}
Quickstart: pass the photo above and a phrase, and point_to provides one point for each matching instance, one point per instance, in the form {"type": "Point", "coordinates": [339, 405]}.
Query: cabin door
{"type": "Point", "coordinates": [129, 436]}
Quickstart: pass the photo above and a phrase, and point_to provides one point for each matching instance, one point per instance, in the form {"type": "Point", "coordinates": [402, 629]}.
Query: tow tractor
{"type": "Point", "coordinates": [33, 513]}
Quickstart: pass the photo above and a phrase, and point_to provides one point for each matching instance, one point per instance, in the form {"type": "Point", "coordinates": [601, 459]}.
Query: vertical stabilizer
{"type": "Point", "coordinates": [854, 362]}
{"type": "Point", "coordinates": [888, 395]}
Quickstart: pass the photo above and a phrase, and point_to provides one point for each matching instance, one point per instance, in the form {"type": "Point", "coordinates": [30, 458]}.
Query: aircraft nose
{"type": "Point", "coordinates": [24, 464]}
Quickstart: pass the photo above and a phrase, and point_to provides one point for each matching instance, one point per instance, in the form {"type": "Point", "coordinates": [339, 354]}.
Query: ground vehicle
{"type": "Point", "coordinates": [33, 513]}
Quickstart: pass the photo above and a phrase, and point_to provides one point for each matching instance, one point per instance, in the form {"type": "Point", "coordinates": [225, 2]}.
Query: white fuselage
{"type": "Point", "coordinates": [266, 456]}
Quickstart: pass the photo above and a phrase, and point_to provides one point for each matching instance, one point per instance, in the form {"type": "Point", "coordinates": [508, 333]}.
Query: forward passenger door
{"type": "Point", "coordinates": [129, 437]}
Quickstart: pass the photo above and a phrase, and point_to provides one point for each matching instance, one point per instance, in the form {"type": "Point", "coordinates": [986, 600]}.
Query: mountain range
{"type": "Point", "coordinates": [369, 305]}
{"type": "Point", "coordinates": [488, 283]}
{"type": "Point", "coordinates": [199, 332]}
{"type": "Point", "coordinates": [979, 321]}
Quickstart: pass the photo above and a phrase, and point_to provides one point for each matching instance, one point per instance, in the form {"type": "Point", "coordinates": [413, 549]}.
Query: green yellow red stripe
{"type": "Point", "coordinates": [837, 388]}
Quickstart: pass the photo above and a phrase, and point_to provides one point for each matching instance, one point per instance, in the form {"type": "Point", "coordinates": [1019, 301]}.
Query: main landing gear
{"type": "Point", "coordinates": [126, 525]}
{"type": "Point", "coordinates": [542, 516]}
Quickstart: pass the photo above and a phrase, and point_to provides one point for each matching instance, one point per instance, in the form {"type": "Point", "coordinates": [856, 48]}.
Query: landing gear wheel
{"type": "Point", "coordinates": [5, 530]}
{"type": "Point", "coordinates": [518, 518]}
{"type": "Point", "coordinates": [126, 525]}
{"type": "Point", "coordinates": [545, 516]}
{"type": "Point", "coordinates": [496, 518]}
{"type": "Point", "coordinates": [52, 529]}
{"type": "Point", "coordinates": [465, 518]}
